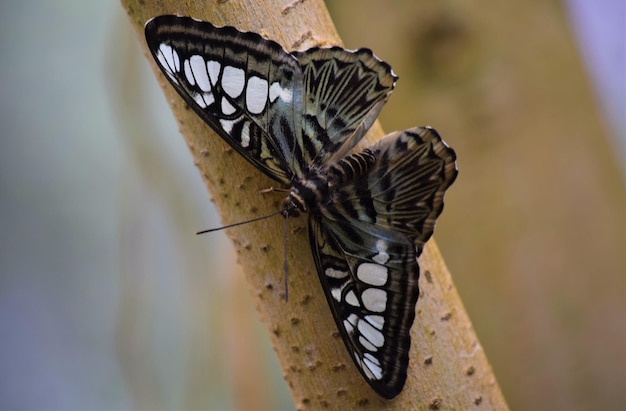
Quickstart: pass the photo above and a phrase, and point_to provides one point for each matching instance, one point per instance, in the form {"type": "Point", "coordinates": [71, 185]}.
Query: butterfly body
{"type": "Point", "coordinates": [297, 117]}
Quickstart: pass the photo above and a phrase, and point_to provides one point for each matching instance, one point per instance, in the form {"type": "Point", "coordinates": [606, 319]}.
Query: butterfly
{"type": "Point", "coordinates": [296, 116]}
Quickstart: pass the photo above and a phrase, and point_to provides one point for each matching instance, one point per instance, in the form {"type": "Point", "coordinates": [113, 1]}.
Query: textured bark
{"type": "Point", "coordinates": [448, 368]}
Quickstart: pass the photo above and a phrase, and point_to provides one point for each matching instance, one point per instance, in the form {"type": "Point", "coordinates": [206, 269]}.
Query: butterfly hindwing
{"type": "Point", "coordinates": [370, 277]}
{"type": "Point", "coordinates": [403, 188]}
{"type": "Point", "coordinates": [344, 91]}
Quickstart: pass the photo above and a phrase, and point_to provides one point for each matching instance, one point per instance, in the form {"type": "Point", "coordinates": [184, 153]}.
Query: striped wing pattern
{"type": "Point", "coordinates": [343, 94]}
{"type": "Point", "coordinates": [296, 117]}
{"type": "Point", "coordinates": [403, 189]}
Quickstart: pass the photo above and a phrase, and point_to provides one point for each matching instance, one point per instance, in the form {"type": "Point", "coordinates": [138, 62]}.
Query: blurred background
{"type": "Point", "coordinates": [108, 301]}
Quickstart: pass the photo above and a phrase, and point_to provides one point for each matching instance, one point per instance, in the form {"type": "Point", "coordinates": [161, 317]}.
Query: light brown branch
{"type": "Point", "coordinates": [448, 369]}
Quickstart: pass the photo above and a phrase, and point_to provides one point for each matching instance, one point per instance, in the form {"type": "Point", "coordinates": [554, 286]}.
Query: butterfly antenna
{"type": "Point", "coordinates": [284, 211]}
{"type": "Point", "coordinates": [285, 265]}
{"type": "Point", "coordinates": [210, 230]}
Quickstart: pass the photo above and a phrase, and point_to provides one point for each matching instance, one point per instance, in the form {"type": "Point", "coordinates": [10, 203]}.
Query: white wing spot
{"type": "Point", "coordinates": [188, 73]}
{"type": "Point", "coordinates": [373, 359]}
{"type": "Point", "coordinates": [227, 125]}
{"type": "Point", "coordinates": [256, 94]}
{"type": "Point", "coordinates": [336, 292]}
{"type": "Point", "coordinates": [332, 273]}
{"type": "Point", "coordinates": [233, 80]}
{"type": "Point", "coordinates": [372, 334]}
{"type": "Point", "coordinates": [382, 257]}
{"type": "Point", "coordinates": [366, 344]}
{"type": "Point", "coordinates": [362, 366]}
{"type": "Point", "coordinates": [350, 323]}
{"type": "Point", "coordinates": [277, 91]}
{"type": "Point", "coordinates": [376, 320]}
{"type": "Point", "coordinates": [245, 134]}
{"type": "Point", "coordinates": [203, 99]}
{"type": "Point", "coordinates": [377, 372]}
{"type": "Point", "coordinates": [227, 108]}
{"type": "Point", "coordinates": [373, 365]}
{"type": "Point", "coordinates": [171, 56]}
{"type": "Point", "coordinates": [214, 71]}
{"type": "Point", "coordinates": [176, 60]}
{"type": "Point", "coordinates": [208, 98]}
{"type": "Point", "coordinates": [351, 299]}
{"type": "Point", "coordinates": [372, 274]}
{"type": "Point", "coordinates": [199, 99]}
{"type": "Point", "coordinates": [374, 299]}
{"type": "Point", "coordinates": [168, 60]}
{"type": "Point", "coordinates": [199, 72]}
{"type": "Point", "coordinates": [349, 328]}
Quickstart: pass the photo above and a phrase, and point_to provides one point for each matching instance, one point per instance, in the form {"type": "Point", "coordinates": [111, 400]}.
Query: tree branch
{"type": "Point", "coordinates": [448, 369]}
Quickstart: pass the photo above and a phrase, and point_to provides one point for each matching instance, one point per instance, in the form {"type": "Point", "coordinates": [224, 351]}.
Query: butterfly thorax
{"type": "Point", "coordinates": [308, 193]}
{"type": "Point", "coordinates": [316, 188]}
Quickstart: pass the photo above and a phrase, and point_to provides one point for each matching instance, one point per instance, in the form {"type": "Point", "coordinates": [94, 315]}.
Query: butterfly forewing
{"type": "Point", "coordinates": [296, 116]}
{"type": "Point", "coordinates": [246, 88]}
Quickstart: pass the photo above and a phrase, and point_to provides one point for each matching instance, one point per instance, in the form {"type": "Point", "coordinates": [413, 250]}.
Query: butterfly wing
{"type": "Point", "coordinates": [366, 241]}
{"type": "Point", "coordinates": [344, 91]}
{"type": "Point", "coordinates": [370, 278]}
{"type": "Point", "coordinates": [403, 190]}
{"type": "Point", "coordinates": [283, 112]}
{"type": "Point", "coordinates": [246, 88]}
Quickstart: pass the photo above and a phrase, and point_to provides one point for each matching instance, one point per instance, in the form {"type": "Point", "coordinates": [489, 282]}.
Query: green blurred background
{"type": "Point", "coordinates": [108, 300]}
